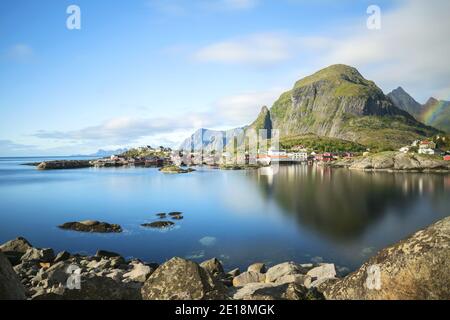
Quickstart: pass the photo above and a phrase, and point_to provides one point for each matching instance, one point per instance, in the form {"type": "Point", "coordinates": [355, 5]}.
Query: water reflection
{"type": "Point", "coordinates": [341, 204]}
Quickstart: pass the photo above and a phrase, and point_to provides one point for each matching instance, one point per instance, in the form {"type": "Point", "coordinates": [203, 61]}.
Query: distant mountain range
{"type": "Point", "coordinates": [103, 153]}
{"type": "Point", "coordinates": [338, 102]}
{"type": "Point", "coordinates": [435, 113]}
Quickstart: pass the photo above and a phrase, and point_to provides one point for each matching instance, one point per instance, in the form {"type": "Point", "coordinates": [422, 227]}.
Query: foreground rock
{"type": "Point", "coordinates": [416, 268]}
{"type": "Point", "coordinates": [394, 161]}
{"type": "Point", "coordinates": [270, 291]}
{"type": "Point", "coordinates": [10, 286]}
{"type": "Point", "coordinates": [180, 279]}
{"type": "Point", "coordinates": [64, 164]}
{"type": "Point", "coordinates": [91, 226]}
{"type": "Point", "coordinates": [15, 249]}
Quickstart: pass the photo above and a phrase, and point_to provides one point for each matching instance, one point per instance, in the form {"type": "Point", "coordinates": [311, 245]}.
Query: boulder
{"type": "Point", "coordinates": [416, 268]}
{"type": "Point", "coordinates": [284, 269]}
{"type": "Point", "coordinates": [95, 287]}
{"type": "Point", "coordinates": [14, 249]}
{"type": "Point", "coordinates": [248, 277]}
{"type": "Point", "coordinates": [271, 291]}
{"type": "Point", "coordinates": [323, 271]}
{"type": "Point", "coordinates": [302, 279]}
{"type": "Point", "coordinates": [40, 255]}
{"type": "Point", "coordinates": [257, 267]}
{"type": "Point", "coordinates": [91, 226]}
{"type": "Point", "coordinates": [180, 279]}
{"type": "Point", "coordinates": [10, 286]}
{"type": "Point", "coordinates": [213, 266]}
{"type": "Point", "coordinates": [139, 273]}
{"type": "Point", "coordinates": [107, 254]}
{"type": "Point", "coordinates": [234, 273]}
{"type": "Point", "coordinates": [62, 256]}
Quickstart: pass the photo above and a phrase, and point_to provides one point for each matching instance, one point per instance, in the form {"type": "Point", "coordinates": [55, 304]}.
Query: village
{"type": "Point", "coordinates": [161, 156]}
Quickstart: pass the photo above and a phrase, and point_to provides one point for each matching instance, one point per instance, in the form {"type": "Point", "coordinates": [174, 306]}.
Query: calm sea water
{"type": "Point", "coordinates": [302, 213]}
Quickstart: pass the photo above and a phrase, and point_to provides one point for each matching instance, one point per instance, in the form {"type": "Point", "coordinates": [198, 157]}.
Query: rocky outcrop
{"type": "Point", "coordinates": [64, 164]}
{"type": "Point", "coordinates": [394, 161]}
{"type": "Point", "coordinates": [10, 286]}
{"type": "Point", "coordinates": [248, 277]}
{"type": "Point", "coordinates": [416, 268]}
{"type": "Point", "coordinates": [180, 279]}
{"type": "Point", "coordinates": [213, 266]}
{"type": "Point", "coordinates": [175, 169]}
{"type": "Point", "coordinates": [269, 291]}
{"type": "Point", "coordinates": [15, 249]}
{"type": "Point", "coordinates": [91, 226]}
{"type": "Point", "coordinates": [158, 224]}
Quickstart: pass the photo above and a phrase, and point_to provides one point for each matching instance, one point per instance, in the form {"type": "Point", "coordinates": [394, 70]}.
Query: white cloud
{"type": "Point", "coordinates": [227, 112]}
{"type": "Point", "coordinates": [19, 52]}
{"type": "Point", "coordinates": [265, 48]}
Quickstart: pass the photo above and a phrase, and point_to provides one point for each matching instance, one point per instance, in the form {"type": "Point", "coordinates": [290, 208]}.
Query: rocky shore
{"type": "Point", "coordinates": [394, 161]}
{"type": "Point", "coordinates": [415, 268]}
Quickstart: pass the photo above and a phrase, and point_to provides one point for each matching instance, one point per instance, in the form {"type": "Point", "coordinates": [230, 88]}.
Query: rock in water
{"type": "Point", "coordinates": [416, 268]}
{"type": "Point", "coordinates": [10, 286]}
{"type": "Point", "coordinates": [180, 279]}
{"type": "Point", "coordinates": [159, 224]}
{"type": "Point", "coordinates": [91, 226]}
{"type": "Point", "coordinates": [64, 164]}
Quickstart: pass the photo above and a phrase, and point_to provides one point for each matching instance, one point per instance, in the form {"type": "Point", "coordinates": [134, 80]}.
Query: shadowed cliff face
{"type": "Point", "coordinates": [341, 204]}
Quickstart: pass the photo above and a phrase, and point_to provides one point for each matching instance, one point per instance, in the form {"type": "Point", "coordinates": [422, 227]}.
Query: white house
{"type": "Point", "coordinates": [427, 147]}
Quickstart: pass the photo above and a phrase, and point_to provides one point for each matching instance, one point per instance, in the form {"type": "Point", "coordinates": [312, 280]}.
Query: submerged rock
{"type": "Point", "coordinates": [161, 215]}
{"type": "Point", "coordinates": [91, 226]}
{"type": "Point", "coordinates": [159, 224]}
{"type": "Point", "coordinates": [416, 268]}
{"type": "Point", "coordinates": [10, 286]}
{"type": "Point", "coordinates": [180, 279]}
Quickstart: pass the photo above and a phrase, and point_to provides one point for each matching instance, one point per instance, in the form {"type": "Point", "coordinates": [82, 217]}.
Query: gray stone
{"type": "Point", "coordinates": [234, 273]}
{"type": "Point", "coordinates": [139, 273]}
{"type": "Point", "coordinates": [180, 279]}
{"type": "Point", "coordinates": [62, 256]}
{"type": "Point", "coordinates": [416, 268]}
{"type": "Point", "coordinates": [284, 269]}
{"type": "Point", "coordinates": [40, 255]}
{"type": "Point", "coordinates": [10, 286]}
{"type": "Point", "coordinates": [248, 277]}
{"type": "Point", "coordinates": [213, 266]}
{"type": "Point", "coordinates": [272, 291]}
{"type": "Point", "coordinates": [323, 271]}
{"type": "Point", "coordinates": [257, 267]}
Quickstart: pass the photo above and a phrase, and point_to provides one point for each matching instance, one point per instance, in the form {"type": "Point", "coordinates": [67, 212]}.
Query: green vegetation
{"type": "Point", "coordinates": [175, 169]}
{"type": "Point", "coordinates": [381, 133]}
{"type": "Point", "coordinates": [320, 144]}
{"type": "Point", "coordinates": [146, 152]}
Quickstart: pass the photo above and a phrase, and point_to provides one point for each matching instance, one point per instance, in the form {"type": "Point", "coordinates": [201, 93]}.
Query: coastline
{"type": "Point", "coordinates": [419, 263]}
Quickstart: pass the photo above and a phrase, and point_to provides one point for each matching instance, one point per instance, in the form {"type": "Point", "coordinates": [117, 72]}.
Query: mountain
{"type": "Point", "coordinates": [435, 113]}
{"type": "Point", "coordinates": [104, 153]}
{"type": "Point", "coordinates": [404, 101]}
{"type": "Point", "coordinates": [338, 102]}
{"type": "Point", "coordinates": [207, 140]}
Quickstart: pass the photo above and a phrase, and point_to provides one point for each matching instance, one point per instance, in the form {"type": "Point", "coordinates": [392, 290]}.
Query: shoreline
{"type": "Point", "coordinates": [417, 267]}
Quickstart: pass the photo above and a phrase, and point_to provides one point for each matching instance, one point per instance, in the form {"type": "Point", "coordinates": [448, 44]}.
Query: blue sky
{"type": "Point", "coordinates": [152, 71]}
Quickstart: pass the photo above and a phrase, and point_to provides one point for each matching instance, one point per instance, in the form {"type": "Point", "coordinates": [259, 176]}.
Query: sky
{"type": "Point", "coordinates": [150, 72]}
